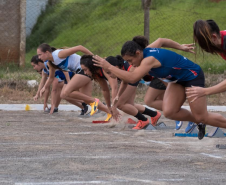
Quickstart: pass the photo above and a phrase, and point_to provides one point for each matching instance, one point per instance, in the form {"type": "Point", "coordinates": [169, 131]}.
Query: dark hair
{"type": "Point", "coordinates": [36, 60]}
{"type": "Point", "coordinates": [116, 61]}
{"type": "Point", "coordinates": [46, 47]}
{"type": "Point", "coordinates": [202, 31]}
{"type": "Point", "coordinates": [130, 47]}
{"type": "Point", "coordinates": [87, 60]}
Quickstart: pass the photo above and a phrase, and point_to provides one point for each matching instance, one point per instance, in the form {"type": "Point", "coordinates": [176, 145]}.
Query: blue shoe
{"type": "Point", "coordinates": [190, 127]}
{"type": "Point", "coordinates": [178, 124]}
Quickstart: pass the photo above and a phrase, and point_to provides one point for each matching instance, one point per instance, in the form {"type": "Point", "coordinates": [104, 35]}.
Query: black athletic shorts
{"type": "Point", "coordinates": [198, 81]}
{"type": "Point", "coordinates": [79, 71]}
{"type": "Point", "coordinates": [134, 84]}
{"type": "Point", "coordinates": [157, 84]}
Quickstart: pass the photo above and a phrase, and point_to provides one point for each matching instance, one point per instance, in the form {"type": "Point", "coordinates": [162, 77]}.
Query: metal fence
{"type": "Point", "coordinates": [103, 30]}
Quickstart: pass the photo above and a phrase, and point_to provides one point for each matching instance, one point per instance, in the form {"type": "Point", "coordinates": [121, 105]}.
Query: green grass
{"type": "Point", "coordinates": [103, 26]}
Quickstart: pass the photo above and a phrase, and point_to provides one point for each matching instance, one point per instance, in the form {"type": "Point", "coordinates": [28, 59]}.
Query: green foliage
{"type": "Point", "coordinates": [103, 26]}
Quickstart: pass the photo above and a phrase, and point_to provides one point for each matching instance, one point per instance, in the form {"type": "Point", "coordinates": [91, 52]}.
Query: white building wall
{"type": "Point", "coordinates": [33, 10]}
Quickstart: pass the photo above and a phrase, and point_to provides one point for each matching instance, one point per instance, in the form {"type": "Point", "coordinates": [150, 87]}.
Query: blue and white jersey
{"type": "Point", "coordinates": [174, 67]}
{"type": "Point", "coordinates": [71, 63]}
{"type": "Point", "coordinates": [58, 73]}
{"type": "Point", "coordinates": [46, 69]}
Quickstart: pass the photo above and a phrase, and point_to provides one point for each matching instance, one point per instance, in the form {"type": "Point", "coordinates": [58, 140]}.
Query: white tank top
{"type": "Point", "coordinates": [71, 63]}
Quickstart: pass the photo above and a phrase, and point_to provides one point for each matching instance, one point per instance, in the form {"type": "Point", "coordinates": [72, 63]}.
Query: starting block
{"type": "Point", "coordinates": [159, 126]}
{"type": "Point", "coordinates": [98, 122]}
{"type": "Point", "coordinates": [221, 146]}
{"type": "Point", "coordinates": [216, 132]}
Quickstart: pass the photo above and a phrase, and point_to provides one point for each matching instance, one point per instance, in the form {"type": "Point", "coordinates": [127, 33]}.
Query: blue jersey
{"type": "Point", "coordinates": [174, 67]}
{"type": "Point", "coordinates": [58, 73]}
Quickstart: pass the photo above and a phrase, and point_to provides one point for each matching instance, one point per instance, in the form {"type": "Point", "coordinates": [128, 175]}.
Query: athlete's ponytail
{"type": "Point", "coordinates": [116, 61]}
{"type": "Point", "coordinates": [202, 34]}
{"type": "Point", "coordinates": [141, 41]}
{"type": "Point", "coordinates": [36, 60]}
{"type": "Point", "coordinates": [130, 47]}
{"type": "Point", "coordinates": [46, 47]}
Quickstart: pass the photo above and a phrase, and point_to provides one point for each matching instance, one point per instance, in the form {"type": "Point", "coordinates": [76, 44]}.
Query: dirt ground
{"type": "Point", "coordinates": [65, 149]}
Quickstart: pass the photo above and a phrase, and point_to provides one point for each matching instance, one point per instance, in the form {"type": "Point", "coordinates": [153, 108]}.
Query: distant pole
{"type": "Point", "coordinates": [22, 32]}
{"type": "Point", "coordinates": [146, 6]}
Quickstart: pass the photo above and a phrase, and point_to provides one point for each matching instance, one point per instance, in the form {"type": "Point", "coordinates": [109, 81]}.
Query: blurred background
{"type": "Point", "coordinates": [102, 26]}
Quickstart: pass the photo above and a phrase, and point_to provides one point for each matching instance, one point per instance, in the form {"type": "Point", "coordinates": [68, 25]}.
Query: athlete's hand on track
{"type": "Point", "coordinates": [115, 101]}
{"type": "Point", "coordinates": [195, 93]}
{"type": "Point", "coordinates": [115, 113]}
{"type": "Point", "coordinates": [35, 98]}
{"type": "Point", "coordinates": [101, 62]}
{"type": "Point", "coordinates": [42, 91]}
{"type": "Point", "coordinates": [45, 106]}
{"type": "Point", "coordinates": [188, 47]}
{"type": "Point", "coordinates": [51, 110]}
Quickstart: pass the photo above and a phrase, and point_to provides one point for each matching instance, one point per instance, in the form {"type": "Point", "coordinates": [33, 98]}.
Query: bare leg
{"type": "Point", "coordinates": [72, 90]}
{"type": "Point", "coordinates": [154, 98]}
{"type": "Point", "coordinates": [126, 101]}
{"type": "Point", "coordinates": [199, 111]}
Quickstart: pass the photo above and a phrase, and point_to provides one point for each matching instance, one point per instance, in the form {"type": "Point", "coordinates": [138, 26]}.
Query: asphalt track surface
{"type": "Point", "coordinates": [66, 149]}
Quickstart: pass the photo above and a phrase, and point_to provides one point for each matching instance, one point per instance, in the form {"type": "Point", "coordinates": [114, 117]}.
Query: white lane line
{"type": "Point", "coordinates": [87, 133]}
{"type": "Point", "coordinates": [213, 156]}
{"type": "Point", "coordinates": [159, 142]}
{"type": "Point", "coordinates": [63, 183]}
{"type": "Point", "coordinates": [120, 133]}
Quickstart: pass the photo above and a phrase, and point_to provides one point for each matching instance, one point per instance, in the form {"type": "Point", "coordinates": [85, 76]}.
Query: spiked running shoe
{"type": "Point", "coordinates": [141, 125]}
{"type": "Point", "coordinates": [155, 119]}
{"type": "Point", "coordinates": [82, 112]}
{"type": "Point", "coordinates": [202, 130]}
{"type": "Point", "coordinates": [49, 109]}
{"type": "Point", "coordinates": [94, 106]}
{"type": "Point", "coordinates": [190, 127]}
{"type": "Point", "coordinates": [87, 110]}
{"type": "Point", "coordinates": [109, 116]}
{"type": "Point", "coordinates": [178, 124]}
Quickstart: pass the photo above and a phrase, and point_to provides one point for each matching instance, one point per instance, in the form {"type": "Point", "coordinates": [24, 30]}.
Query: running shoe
{"type": "Point", "coordinates": [202, 130]}
{"type": "Point", "coordinates": [155, 119]}
{"type": "Point", "coordinates": [55, 110]}
{"type": "Point", "coordinates": [141, 125]}
{"type": "Point", "coordinates": [109, 116]}
{"type": "Point", "coordinates": [178, 124]}
{"type": "Point", "coordinates": [87, 110]}
{"type": "Point", "coordinates": [191, 126]}
{"type": "Point", "coordinates": [94, 106]}
{"type": "Point", "coordinates": [82, 112]}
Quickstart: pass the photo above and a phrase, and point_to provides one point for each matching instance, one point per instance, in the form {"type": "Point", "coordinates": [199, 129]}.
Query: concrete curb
{"type": "Point", "coordinates": [68, 107]}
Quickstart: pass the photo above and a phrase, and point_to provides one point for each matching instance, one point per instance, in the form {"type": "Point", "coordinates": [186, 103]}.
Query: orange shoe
{"type": "Point", "coordinates": [141, 125]}
{"type": "Point", "coordinates": [155, 119]}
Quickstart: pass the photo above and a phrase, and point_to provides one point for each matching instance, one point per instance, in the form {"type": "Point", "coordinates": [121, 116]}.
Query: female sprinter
{"type": "Point", "coordinates": [57, 85]}
{"type": "Point", "coordinates": [80, 86]}
{"type": "Point", "coordinates": [126, 95]}
{"type": "Point", "coordinates": [208, 35]}
{"type": "Point", "coordinates": [126, 101]}
{"type": "Point", "coordinates": [179, 72]}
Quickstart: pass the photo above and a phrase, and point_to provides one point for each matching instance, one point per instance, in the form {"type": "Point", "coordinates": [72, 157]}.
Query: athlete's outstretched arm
{"type": "Point", "coordinates": [130, 77]}
{"type": "Point", "coordinates": [113, 82]}
{"type": "Point", "coordinates": [42, 82]}
{"type": "Point", "coordinates": [168, 43]}
{"type": "Point", "coordinates": [67, 52]}
{"type": "Point", "coordinates": [49, 81]}
{"type": "Point", "coordinates": [105, 91]}
{"type": "Point", "coordinates": [197, 92]}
